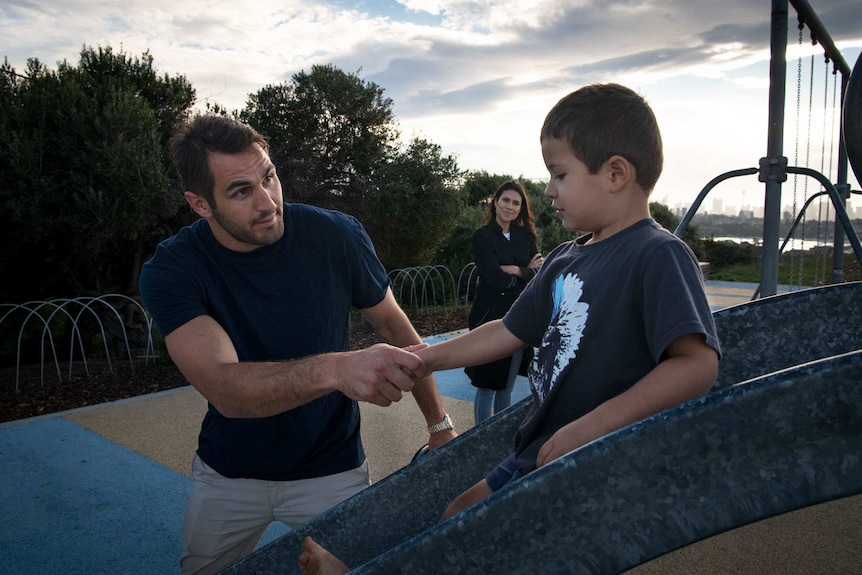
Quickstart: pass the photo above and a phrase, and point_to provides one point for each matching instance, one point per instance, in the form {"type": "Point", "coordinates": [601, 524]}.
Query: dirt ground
{"type": "Point", "coordinates": [40, 394]}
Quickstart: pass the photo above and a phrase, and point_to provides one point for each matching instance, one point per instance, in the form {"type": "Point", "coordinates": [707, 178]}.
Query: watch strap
{"type": "Point", "coordinates": [445, 424]}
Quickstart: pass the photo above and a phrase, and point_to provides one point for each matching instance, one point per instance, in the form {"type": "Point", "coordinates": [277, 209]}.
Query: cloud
{"type": "Point", "coordinates": [464, 73]}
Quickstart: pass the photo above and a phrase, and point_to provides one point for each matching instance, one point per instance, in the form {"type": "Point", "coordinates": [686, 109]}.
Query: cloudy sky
{"type": "Point", "coordinates": [477, 76]}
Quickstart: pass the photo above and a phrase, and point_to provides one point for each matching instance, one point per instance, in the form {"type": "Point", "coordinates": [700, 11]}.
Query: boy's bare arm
{"type": "Point", "coordinates": [486, 343]}
{"type": "Point", "coordinates": [688, 372]}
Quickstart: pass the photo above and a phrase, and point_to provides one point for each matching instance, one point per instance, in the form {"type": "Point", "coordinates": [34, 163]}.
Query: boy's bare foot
{"type": "Point", "coordinates": [315, 560]}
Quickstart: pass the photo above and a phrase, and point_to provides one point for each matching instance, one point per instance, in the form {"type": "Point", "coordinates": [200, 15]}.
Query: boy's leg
{"type": "Point", "coordinates": [506, 472]}
{"type": "Point", "coordinates": [482, 404]}
{"type": "Point", "coordinates": [224, 520]}
{"type": "Point", "coordinates": [472, 495]}
{"type": "Point", "coordinates": [315, 560]}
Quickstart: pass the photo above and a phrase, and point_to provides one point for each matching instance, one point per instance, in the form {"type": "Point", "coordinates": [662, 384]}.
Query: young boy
{"type": "Point", "coordinates": [619, 319]}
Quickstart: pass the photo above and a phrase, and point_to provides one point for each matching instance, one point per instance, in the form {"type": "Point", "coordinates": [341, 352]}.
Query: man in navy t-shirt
{"type": "Point", "coordinates": [253, 301]}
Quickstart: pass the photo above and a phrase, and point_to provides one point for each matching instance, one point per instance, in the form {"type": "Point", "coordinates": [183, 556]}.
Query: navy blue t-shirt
{"type": "Point", "coordinates": [280, 302]}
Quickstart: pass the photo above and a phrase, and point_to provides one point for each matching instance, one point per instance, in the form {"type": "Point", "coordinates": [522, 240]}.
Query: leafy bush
{"type": "Point", "coordinates": [725, 254]}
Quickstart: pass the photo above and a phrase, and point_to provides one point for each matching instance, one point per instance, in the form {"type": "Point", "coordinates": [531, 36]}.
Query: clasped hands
{"type": "Point", "coordinates": [382, 373]}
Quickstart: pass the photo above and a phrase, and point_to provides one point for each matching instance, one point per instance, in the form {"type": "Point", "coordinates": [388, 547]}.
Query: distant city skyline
{"type": "Point", "coordinates": [717, 207]}
{"type": "Point", "coordinates": [717, 204]}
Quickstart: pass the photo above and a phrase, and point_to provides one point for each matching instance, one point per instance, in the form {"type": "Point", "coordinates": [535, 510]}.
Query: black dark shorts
{"type": "Point", "coordinates": [506, 472]}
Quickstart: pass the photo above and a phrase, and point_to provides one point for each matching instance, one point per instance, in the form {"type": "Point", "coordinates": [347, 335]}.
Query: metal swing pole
{"type": "Point", "coordinates": [843, 188]}
{"type": "Point", "coordinates": [773, 166]}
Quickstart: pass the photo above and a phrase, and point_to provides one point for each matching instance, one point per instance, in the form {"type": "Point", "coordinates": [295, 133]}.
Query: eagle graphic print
{"type": "Point", "coordinates": [562, 338]}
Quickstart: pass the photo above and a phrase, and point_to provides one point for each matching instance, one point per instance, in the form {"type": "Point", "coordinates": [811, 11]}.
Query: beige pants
{"type": "Point", "coordinates": [225, 518]}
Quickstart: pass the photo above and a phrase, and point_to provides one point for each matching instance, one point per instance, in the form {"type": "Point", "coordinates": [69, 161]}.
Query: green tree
{"type": "Point", "coordinates": [457, 250]}
{"type": "Point", "coordinates": [86, 189]}
{"type": "Point", "coordinates": [479, 186]}
{"type": "Point", "coordinates": [335, 142]}
{"type": "Point", "coordinates": [666, 219]}
{"type": "Point", "coordinates": [413, 205]}
{"type": "Point", "coordinates": [169, 98]}
{"type": "Point", "coordinates": [329, 133]}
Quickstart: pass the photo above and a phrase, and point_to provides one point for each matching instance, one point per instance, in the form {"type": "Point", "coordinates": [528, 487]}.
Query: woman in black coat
{"type": "Point", "coordinates": [507, 256]}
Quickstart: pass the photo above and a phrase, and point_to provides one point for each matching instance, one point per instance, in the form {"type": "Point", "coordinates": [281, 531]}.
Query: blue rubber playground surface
{"type": "Point", "coordinates": [103, 489]}
{"type": "Point", "coordinates": [77, 501]}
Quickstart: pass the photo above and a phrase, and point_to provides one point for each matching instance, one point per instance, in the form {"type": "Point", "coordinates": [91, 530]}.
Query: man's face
{"type": "Point", "coordinates": [247, 211]}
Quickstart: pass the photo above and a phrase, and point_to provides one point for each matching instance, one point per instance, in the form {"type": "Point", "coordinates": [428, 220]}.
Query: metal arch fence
{"type": "Point", "coordinates": [468, 278]}
{"type": "Point", "coordinates": [425, 287]}
{"type": "Point", "coordinates": [55, 314]}
{"type": "Point", "coordinates": [421, 288]}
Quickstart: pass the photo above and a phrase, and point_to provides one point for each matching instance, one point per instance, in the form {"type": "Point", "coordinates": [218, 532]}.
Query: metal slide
{"type": "Point", "coordinates": [745, 453]}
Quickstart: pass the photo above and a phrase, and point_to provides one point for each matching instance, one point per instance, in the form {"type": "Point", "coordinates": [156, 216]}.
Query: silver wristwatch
{"type": "Point", "coordinates": [442, 426]}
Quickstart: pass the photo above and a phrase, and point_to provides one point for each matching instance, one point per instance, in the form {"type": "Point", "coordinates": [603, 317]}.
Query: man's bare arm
{"type": "Point", "coordinates": [207, 358]}
{"type": "Point", "coordinates": [393, 326]}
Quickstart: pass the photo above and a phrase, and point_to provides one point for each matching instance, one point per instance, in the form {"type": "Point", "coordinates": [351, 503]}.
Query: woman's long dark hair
{"type": "Point", "coordinates": [525, 218]}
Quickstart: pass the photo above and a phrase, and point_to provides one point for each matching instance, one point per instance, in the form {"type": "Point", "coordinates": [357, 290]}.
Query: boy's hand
{"type": "Point", "coordinates": [566, 439]}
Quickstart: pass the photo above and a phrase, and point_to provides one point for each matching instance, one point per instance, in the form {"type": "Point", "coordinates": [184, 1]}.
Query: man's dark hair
{"type": "Point", "coordinates": [603, 120]}
{"type": "Point", "coordinates": [192, 143]}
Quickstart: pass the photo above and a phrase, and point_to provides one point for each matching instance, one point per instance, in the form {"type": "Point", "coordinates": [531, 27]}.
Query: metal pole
{"type": "Point", "coordinates": [843, 189]}
{"type": "Point", "coordinates": [689, 215]}
{"type": "Point", "coordinates": [821, 34]}
{"type": "Point", "coordinates": [773, 166]}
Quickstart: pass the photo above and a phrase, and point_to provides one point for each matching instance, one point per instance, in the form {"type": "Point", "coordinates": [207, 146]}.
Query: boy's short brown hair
{"type": "Point", "coordinates": [602, 120]}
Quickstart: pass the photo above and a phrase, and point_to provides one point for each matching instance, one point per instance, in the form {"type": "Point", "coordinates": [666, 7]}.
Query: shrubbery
{"type": "Point", "coordinates": [723, 254]}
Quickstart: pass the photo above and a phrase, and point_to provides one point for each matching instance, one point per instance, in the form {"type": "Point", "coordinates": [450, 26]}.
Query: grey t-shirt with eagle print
{"type": "Point", "coordinates": [601, 317]}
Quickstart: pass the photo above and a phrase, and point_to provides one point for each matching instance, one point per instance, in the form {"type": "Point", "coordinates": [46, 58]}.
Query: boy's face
{"type": "Point", "coordinates": [578, 197]}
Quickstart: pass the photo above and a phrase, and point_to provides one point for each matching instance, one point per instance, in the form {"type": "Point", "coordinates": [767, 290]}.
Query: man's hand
{"type": "Point", "coordinates": [435, 440]}
{"type": "Point", "coordinates": [380, 374]}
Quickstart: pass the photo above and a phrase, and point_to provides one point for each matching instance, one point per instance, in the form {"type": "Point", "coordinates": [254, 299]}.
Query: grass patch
{"type": "Point", "coordinates": [811, 269]}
